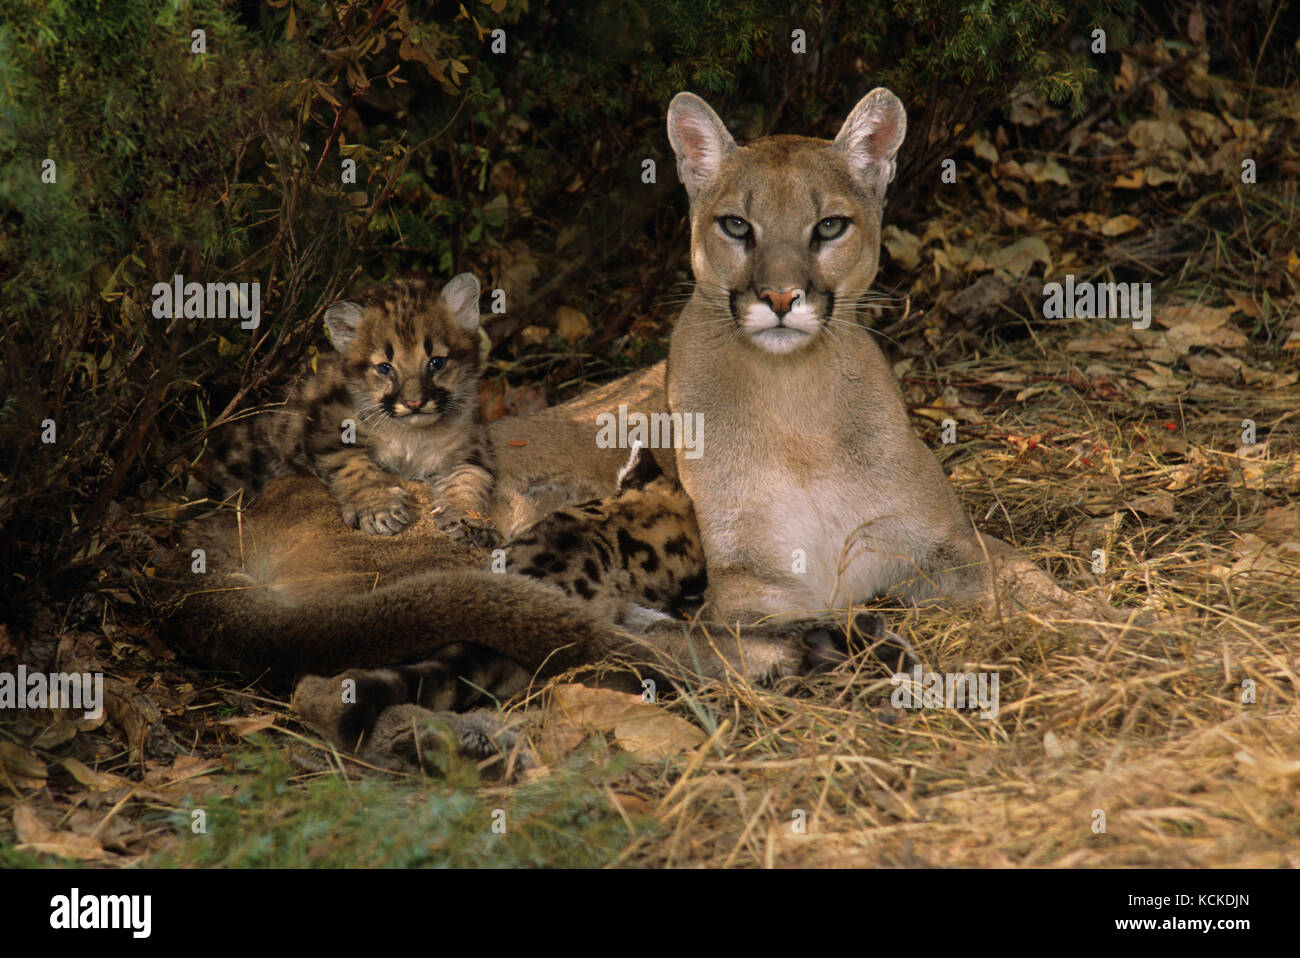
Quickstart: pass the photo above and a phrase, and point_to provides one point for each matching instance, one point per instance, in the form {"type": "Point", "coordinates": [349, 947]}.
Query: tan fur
{"type": "Point", "coordinates": [802, 412]}
{"type": "Point", "coordinates": [285, 594]}
{"type": "Point", "coordinates": [398, 400]}
{"type": "Point", "coordinates": [807, 446]}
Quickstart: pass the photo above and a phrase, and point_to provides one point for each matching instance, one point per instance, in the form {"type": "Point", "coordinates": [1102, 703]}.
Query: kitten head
{"type": "Point", "coordinates": [411, 353]}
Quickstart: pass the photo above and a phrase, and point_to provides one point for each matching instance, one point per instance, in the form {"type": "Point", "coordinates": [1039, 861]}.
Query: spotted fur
{"type": "Point", "coordinates": [399, 398]}
{"type": "Point", "coordinates": [633, 555]}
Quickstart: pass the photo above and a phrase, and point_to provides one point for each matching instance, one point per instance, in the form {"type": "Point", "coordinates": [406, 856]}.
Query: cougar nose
{"type": "Point", "coordinates": [413, 404]}
{"type": "Point", "coordinates": [779, 301]}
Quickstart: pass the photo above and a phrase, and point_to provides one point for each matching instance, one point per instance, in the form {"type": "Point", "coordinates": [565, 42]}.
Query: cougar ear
{"type": "Point", "coordinates": [460, 295]}
{"type": "Point", "coordinates": [870, 138]}
{"type": "Point", "coordinates": [642, 468]}
{"type": "Point", "coordinates": [699, 139]}
{"type": "Point", "coordinates": [342, 321]}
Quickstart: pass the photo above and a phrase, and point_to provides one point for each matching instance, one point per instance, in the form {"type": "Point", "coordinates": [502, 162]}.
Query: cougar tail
{"type": "Point", "coordinates": [224, 623]}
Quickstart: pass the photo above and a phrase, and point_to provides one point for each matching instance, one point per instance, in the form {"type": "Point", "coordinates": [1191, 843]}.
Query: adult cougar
{"type": "Point", "coordinates": [813, 489]}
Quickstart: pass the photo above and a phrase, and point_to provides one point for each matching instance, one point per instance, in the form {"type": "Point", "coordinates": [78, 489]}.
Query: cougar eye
{"type": "Point", "coordinates": [436, 363]}
{"type": "Point", "coordinates": [831, 228]}
{"type": "Point", "coordinates": [735, 227]}
{"type": "Point", "coordinates": [383, 368]}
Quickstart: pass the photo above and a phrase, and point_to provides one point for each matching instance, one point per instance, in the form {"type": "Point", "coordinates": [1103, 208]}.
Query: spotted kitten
{"type": "Point", "coordinates": [399, 398]}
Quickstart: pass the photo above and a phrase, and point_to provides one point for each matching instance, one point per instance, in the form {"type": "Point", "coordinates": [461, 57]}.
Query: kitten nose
{"type": "Point", "coordinates": [413, 404]}
{"type": "Point", "coordinates": [779, 301]}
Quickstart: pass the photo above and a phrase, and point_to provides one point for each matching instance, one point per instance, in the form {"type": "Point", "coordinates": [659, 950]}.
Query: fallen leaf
{"type": "Point", "coordinates": [56, 733]}
{"type": "Point", "coordinates": [1158, 176]}
{"type": "Point", "coordinates": [97, 781]}
{"type": "Point", "coordinates": [249, 725]}
{"type": "Point", "coordinates": [34, 835]}
{"type": "Point", "coordinates": [1212, 367]}
{"type": "Point", "coordinates": [1049, 171]}
{"type": "Point", "coordinates": [1132, 180]}
{"type": "Point", "coordinates": [1158, 134]}
{"type": "Point", "coordinates": [1116, 340]}
{"type": "Point", "coordinates": [1245, 304]}
{"type": "Point", "coordinates": [641, 728]}
{"type": "Point", "coordinates": [534, 335]}
{"type": "Point", "coordinates": [516, 443]}
{"type": "Point", "coordinates": [1159, 505]}
{"type": "Point", "coordinates": [1281, 523]}
{"type": "Point", "coordinates": [657, 736]}
{"type": "Point", "coordinates": [904, 247]}
{"type": "Point", "coordinates": [19, 761]}
{"type": "Point", "coordinates": [1119, 225]}
{"type": "Point", "coordinates": [571, 324]}
{"type": "Point", "coordinates": [1018, 258]}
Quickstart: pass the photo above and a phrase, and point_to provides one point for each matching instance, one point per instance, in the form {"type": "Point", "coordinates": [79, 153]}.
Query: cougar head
{"type": "Point", "coordinates": [785, 232]}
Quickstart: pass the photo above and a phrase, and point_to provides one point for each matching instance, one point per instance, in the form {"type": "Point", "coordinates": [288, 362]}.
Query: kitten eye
{"type": "Point", "coordinates": [831, 228]}
{"type": "Point", "coordinates": [735, 227]}
{"type": "Point", "coordinates": [436, 363]}
{"type": "Point", "coordinates": [383, 368]}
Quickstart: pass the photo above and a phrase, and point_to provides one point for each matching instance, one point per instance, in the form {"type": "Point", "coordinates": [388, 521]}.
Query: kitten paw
{"type": "Point", "coordinates": [382, 512]}
{"type": "Point", "coordinates": [473, 527]}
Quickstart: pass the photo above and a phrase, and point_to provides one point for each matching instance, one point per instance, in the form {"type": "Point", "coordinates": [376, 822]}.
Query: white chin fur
{"type": "Point", "coordinates": [779, 339]}
{"type": "Point", "coordinates": [769, 333]}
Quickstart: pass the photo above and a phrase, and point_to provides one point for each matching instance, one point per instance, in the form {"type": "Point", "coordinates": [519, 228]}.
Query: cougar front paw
{"type": "Point", "coordinates": [378, 512]}
{"type": "Point", "coordinates": [473, 527]}
{"type": "Point", "coordinates": [827, 645]}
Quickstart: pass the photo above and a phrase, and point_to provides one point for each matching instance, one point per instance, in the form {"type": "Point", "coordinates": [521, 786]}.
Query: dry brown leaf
{"type": "Point", "coordinates": [519, 267]}
{"type": "Point", "coordinates": [1281, 523]}
{"type": "Point", "coordinates": [1158, 377]}
{"type": "Point", "coordinates": [96, 781]}
{"type": "Point", "coordinates": [34, 835]}
{"type": "Point", "coordinates": [1158, 176]}
{"type": "Point", "coordinates": [641, 728]}
{"type": "Point", "coordinates": [19, 761]}
{"type": "Point", "coordinates": [1117, 340]}
{"type": "Point", "coordinates": [183, 768]}
{"type": "Point", "coordinates": [572, 324]}
{"type": "Point", "coordinates": [1119, 225]}
{"type": "Point", "coordinates": [534, 335]}
{"type": "Point", "coordinates": [1246, 304]}
{"type": "Point", "coordinates": [1213, 367]}
{"type": "Point", "coordinates": [1162, 133]}
{"type": "Point", "coordinates": [1019, 258]}
{"type": "Point", "coordinates": [653, 737]}
{"type": "Point", "coordinates": [1048, 171]}
{"type": "Point", "coordinates": [904, 247]}
{"type": "Point", "coordinates": [1159, 505]}
{"type": "Point", "coordinates": [1131, 180]}
{"type": "Point", "coordinates": [249, 725]}
{"type": "Point", "coordinates": [56, 733]}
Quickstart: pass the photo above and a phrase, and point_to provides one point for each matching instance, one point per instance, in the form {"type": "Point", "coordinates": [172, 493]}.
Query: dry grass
{"type": "Point", "coordinates": [1144, 724]}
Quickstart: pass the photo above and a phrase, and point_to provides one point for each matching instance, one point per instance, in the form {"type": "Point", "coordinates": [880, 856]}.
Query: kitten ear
{"type": "Point", "coordinates": [870, 138]}
{"type": "Point", "coordinates": [699, 139]}
{"type": "Point", "coordinates": [460, 296]}
{"type": "Point", "coordinates": [342, 321]}
{"type": "Point", "coordinates": [642, 468]}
